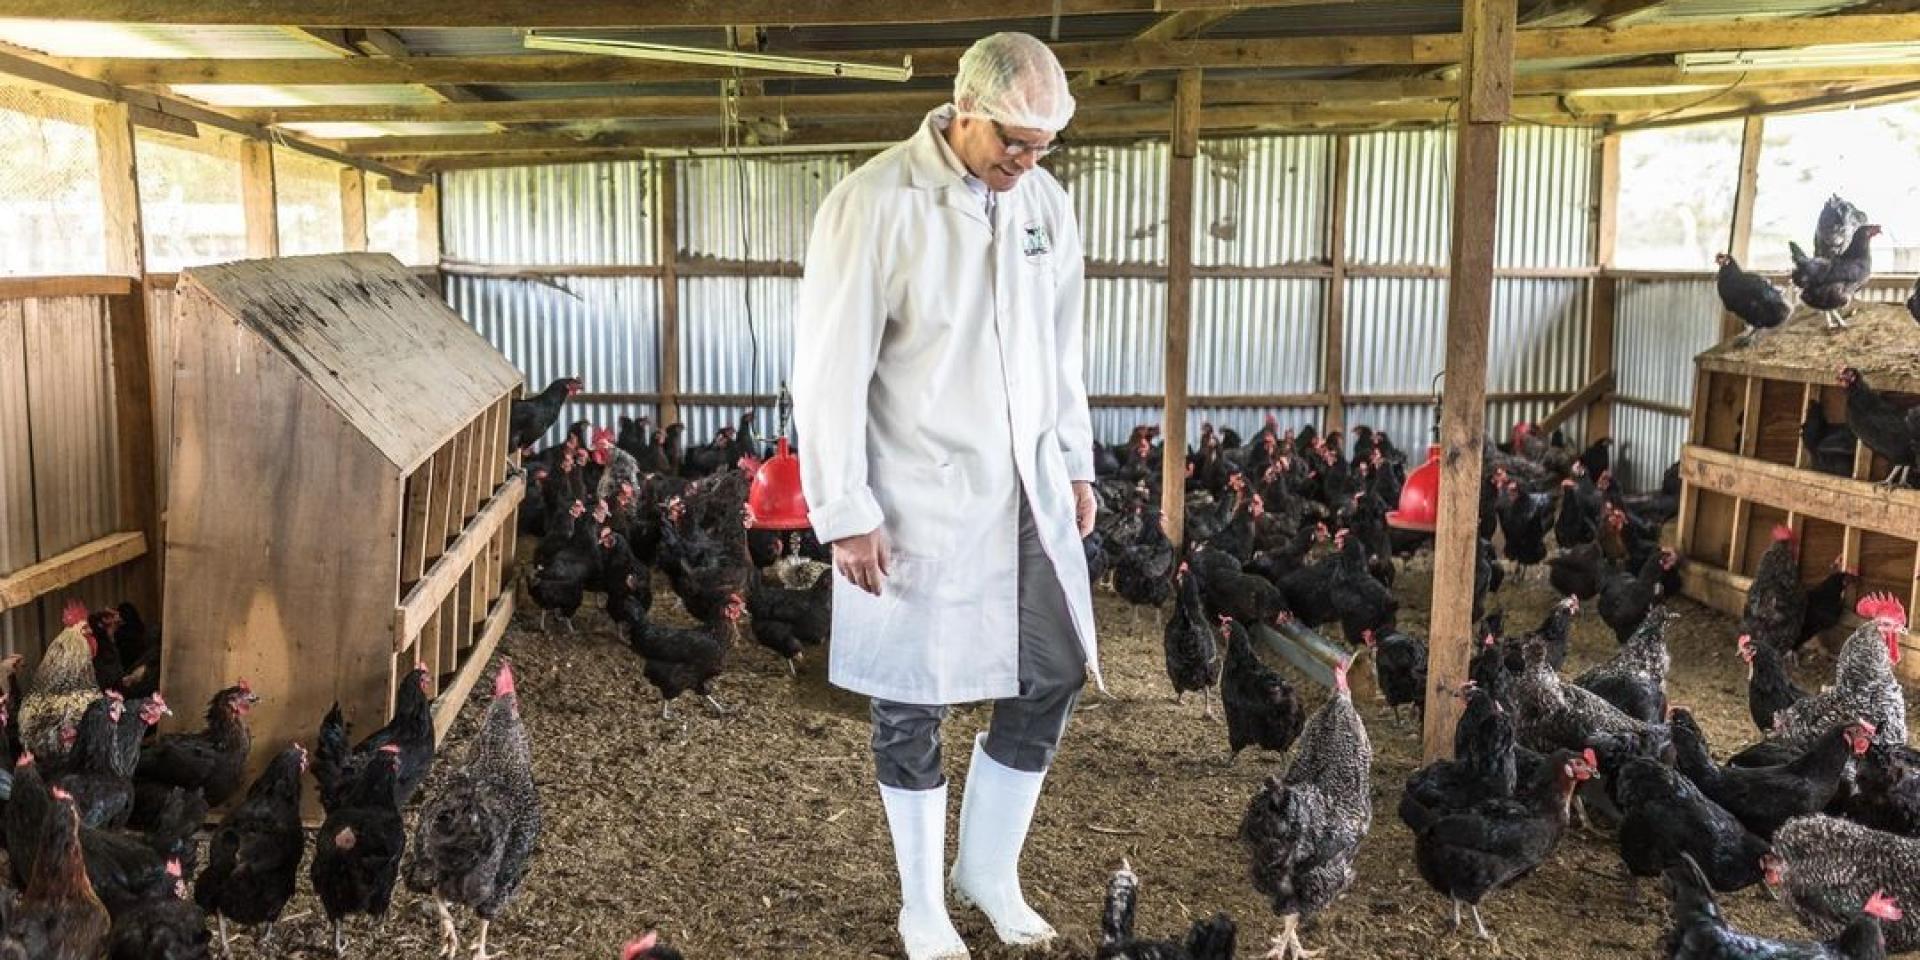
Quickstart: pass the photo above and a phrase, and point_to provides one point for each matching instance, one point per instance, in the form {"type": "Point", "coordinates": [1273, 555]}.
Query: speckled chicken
{"type": "Point", "coordinates": [1209, 939]}
{"type": "Point", "coordinates": [63, 685]}
{"type": "Point", "coordinates": [1304, 828]}
{"type": "Point", "coordinates": [1824, 870]}
{"type": "Point", "coordinates": [1864, 687]}
{"type": "Point", "coordinates": [1777, 602]}
{"type": "Point", "coordinates": [1262, 708]}
{"type": "Point", "coordinates": [1635, 677]}
{"type": "Point", "coordinates": [1191, 646]}
{"type": "Point", "coordinates": [253, 860]}
{"type": "Point", "coordinates": [1699, 932]}
{"type": "Point", "coordinates": [475, 839]}
{"type": "Point", "coordinates": [1551, 714]}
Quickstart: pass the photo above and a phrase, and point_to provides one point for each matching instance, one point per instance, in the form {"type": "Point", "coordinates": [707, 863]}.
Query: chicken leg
{"type": "Point", "coordinates": [1287, 945]}
{"type": "Point", "coordinates": [265, 943]}
{"type": "Point", "coordinates": [715, 704]}
{"type": "Point", "coordinates": [449, 933]}
{"type": "Point", "coordinates": [339, 938]}
{"type": "Point", "coordinates": [226, 949]}
{"type": "Point", "coordinates": [480, 945]}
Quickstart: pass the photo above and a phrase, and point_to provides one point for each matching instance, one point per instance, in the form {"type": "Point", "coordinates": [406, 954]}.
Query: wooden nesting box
{"type": "Point", "coordinates": [1746, 468]}
{"type": "Point", "coordinates": [340, 501]}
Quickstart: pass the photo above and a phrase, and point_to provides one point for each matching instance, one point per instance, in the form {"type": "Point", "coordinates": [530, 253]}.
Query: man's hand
{"type": "Point", "coordinates": [865, 560]}
{"type": "Point", "coordinates": [1085, 506]}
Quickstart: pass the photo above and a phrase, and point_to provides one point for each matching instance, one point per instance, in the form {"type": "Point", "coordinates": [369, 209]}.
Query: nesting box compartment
{"type": "Point", "coordinates": [1746, 467]}
{"type": "Point", "coordinates": [341, 500]}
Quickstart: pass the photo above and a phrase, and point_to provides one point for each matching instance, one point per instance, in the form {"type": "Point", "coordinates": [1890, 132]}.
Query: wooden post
{"type": "Point", "coordinates": [1486, 81]}
{"type": "Point", "coordinates": [1745, 188]}
{"type": "Point", "coordinates": [1602, 301]}
{"type": "Point", "coordinates": [666, 221]}
{"type": "Point", "coordinates": [128, 330]}
{"type": "Point", "coordinates": [1333, 351]}
{"type": "Point", "coordinates": [353, 208]}
{"type": "Point", "coordinates": [258, 200]}
{"type": "Point", "coordinates": [1173, 426]}
{"type": "Point", "coordinates": [428, 225]}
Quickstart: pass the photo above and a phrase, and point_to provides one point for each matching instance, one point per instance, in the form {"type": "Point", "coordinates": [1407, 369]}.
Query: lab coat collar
{"type": "Point", "coordinates": [931, 165]}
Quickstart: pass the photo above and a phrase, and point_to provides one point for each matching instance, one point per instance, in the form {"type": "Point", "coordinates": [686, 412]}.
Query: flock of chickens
{"type": "Point", "coordinates": [102, 817]}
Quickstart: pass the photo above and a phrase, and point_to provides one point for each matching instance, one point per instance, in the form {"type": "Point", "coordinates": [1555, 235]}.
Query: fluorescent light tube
{"type": "Point", "coordinates": [723, 58]}
{"type": "Point", "coordinates": [1835, 55]}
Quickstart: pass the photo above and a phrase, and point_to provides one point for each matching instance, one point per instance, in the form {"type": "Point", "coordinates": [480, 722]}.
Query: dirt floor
{"type": "Point", "coordinates": [759, 833]}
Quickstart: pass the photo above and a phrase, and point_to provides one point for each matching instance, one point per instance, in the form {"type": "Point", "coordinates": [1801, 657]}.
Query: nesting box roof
{"type": "Point", "coordinates": [394, 360]}
{"type": "Point", "coordinates": [1880, 341]}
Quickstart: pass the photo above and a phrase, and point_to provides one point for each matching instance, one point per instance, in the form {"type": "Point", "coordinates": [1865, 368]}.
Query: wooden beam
{"type": "Point", "coordinates": [666, 245]}
{"type": "Point", "coordinates": [427, 225]}
{"type": "Point", "coordinates": [446, 706]}
{"type": "Point", "coordinates": [1486, 90]}
{"type": "Point", "coordinates": [1601, 306]}
{"type": "Point", "coordinates": [63, 570]}
{"type": "Point", "coordinates": [119, 189]}
{"type": "Point", "coordinates": [257, 198]}
{"type": "Point", "coordinates": [171, 114]}
{"type": "Point", "coordinates": [1122, 55]}
{"type": "Point", "coordinates": [1855, 96]}
{"type": "Point", "coordinates": [1177, 26]}
{"type": "Point", "coordinates": [1173, 422]}
{"type": "Point", "coordinates": [1599, 385]}
{"type": "Point", "coordinates": [1841, 500]}
{"type": "Point", "coordinates": [1333, 350]}
{"type": "Point", "coordinates": [1746, 189]}
{"type": "Point", "coordinates": [1607, 193]}
{"type": "Point", "coordinates": [624, 108]}
{"type": "Point", "coordinates": [353, 208]}
{"type": "Point", "coordinates": [589, 13]}
{"type": "Point", "coordinates": [27, 288]}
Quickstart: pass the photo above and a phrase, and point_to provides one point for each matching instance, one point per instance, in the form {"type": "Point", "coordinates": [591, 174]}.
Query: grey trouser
{"type": "Point", "coordinates": [1026, 729]}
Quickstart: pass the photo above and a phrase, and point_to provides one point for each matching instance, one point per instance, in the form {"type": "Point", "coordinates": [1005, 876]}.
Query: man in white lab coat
{"type": "Point", "coordinates": [947, 457]}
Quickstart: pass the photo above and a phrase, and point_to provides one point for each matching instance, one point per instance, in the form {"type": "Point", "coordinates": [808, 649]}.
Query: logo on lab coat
{"type": "Point", "coordinates": [1035, 241]}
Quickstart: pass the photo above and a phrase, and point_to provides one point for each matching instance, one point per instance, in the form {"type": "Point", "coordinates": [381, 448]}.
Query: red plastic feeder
{"type": "Point", "coordinates": [774, 501]}
{"type": "Point", "coordinates": [1420, 497]}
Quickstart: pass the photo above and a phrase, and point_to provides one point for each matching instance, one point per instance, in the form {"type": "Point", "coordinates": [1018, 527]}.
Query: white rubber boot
{"type": "Point", "coordinates": [918, 821]}
{"type": "Point", "coordinates": [994, 815]}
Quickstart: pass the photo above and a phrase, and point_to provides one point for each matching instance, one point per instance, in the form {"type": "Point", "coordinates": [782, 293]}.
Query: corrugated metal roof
{"type": "Point", "coordinates": [1330, 19]}
{"type": "Point", "coordinates": [1752, 9]}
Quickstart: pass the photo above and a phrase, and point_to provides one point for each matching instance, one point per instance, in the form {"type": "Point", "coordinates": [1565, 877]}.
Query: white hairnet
{"type": "Point", "coordinates": [1015, 79]}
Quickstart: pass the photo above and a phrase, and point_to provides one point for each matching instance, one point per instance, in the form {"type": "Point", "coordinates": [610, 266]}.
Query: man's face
{"type": "Point", "coordinates": [981, 148]}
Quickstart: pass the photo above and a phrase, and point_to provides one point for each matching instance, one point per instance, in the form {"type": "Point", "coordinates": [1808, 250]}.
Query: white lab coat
{"type": "Point", "coordinates": [937, 372]}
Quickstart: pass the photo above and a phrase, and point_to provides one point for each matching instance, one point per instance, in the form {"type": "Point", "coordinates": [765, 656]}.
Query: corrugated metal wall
{"type": "Point", "coordinates": [58, 458]}
{"type": "Point", "coordinates": [1259, 202]}
{"type": "Point", "coordinates": [1659, 326]}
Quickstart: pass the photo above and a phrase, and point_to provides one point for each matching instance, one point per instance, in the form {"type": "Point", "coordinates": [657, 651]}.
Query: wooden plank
{"type": "Point", "coordinates": [1749, 440]}
{"type": "Point", "coordinates": [35, 288]}
{"type": "Point", "coordinates": [428, 225]}
{"type": "Point", "coordinates": [666, 218]}
{"type": "Point", "coordinates": [1652, 405]}
{"type": "Point", "coordinates": [257, 199]}
{"type": "Point", "coordinates": [447, 706]}
{"type": "Point", "coordinates": [70, 567]}
{"type": "Point", "coordinates": [1841, 500]}
{"type": "Point", "coordinates": [620, 108]}
{"type": "Point", "coordinates": [1488, 72]}
{"type": "Point", "coordinates": [1333, 355]}
{"type": "Point", "coordinates": [1768, 106]}
{"type": "Point", "coordinates": [1598, 387]}
{"type": "Point", "coordinates": [1173, 421]}
{"type": "Point", "coordinates": [1746, 188]}
{"type": "Point", "coordinates": [353, 208]}
{"type": "Point", "coordinates": [413, 543]}
{"type": "Point", "coordinates": [119, 189]}
{"type": "Point", "coordinates": [439, 581]}
{"type": "Point", "coordinates": [590, 13]}
{"type": "Point", "coordinates": [1607, 190]}
{"type": "Point", "coordinates": [1601, 317]}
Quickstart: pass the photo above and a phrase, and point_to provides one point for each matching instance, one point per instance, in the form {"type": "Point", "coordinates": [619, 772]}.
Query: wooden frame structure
{"type": "Point", "coordinates": [379, 533]}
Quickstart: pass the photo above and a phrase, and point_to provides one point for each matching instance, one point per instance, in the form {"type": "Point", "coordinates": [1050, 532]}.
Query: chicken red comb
{"type": "Point", "coordinates": [503, 681]}
{"type": "Point", "coordinates": [24, 760]}
{"type": "Point", "coordinates": [1881, 606]}
{"type": "Point", "coordinates": [173, 867]}
{"type": "Point", "coordinates": [1745, 645]}
{"type": "Point", "coordinates": [245, 686]}
{"type": "Point", "coordinates": [602, 434]}
{"type": "Point", "coordinates": [392, 748]}
{"type": "Point", "coordinates": [1882, 906]}
{"type": "Point", "coordinates": [635, 948]}
{"type": "Point", "coordinates": [1593, 761]}
{"type": "Point", "coordinates": [60, 793]}
{"type": "Point", "coordinates": [74, 614]}
{"type": "Point", "coordinates": [1782, 532]}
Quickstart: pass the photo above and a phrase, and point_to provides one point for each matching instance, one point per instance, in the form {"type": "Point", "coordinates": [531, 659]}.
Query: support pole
{"type": "Point", "coordinates": [1745, 189]}
{"type": "Point", "coordinates": [1486, 80]}
{"type": "Point", "coordinates": [1333, 352]}
{"type": "Point", "coordinates": [667, 248]}
{"type": "Point", "coordinates": [1173, 426]}
{"type": "Point", "coordinates": [128, 331]}
{"type": "Point", "coordinates": [1603, 299]}
{"type": "Point", "coordinates": [259, 205]}
{"type": "Point", "coordinates": [353, 209]}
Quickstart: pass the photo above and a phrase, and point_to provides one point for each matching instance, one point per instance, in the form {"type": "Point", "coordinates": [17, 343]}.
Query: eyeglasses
{"type": "Point", "coordinates": [1015, 147]}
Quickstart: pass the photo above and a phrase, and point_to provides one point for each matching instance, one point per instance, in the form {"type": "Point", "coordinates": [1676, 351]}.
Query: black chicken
{"type": "Point", "coordinates": [1210, 939]}
{"type": "Point", "coordinates": [1625, 600]}
{"type": "Point", "coordinates": [103, 797]}
{"type": "Point", "coordinates": [1764, 798]}
{"type": "Point", "coordinates": [529, 419]}
{"type": "Point", "coordinates": [1698, 932]}
{"type": "Point", "coordinates": [1776, 604]}
{"type": "Point", "coordinates": [1769, 688]}
{"type": "Point", "coordinates": [1667, 817]}
{"type": "Point", "coordinates": [213, 761]}
{"type": "Point", "coordinates": [1750, 297]}
{"type": "Point", "coordinates": [1482, 767]}
{"type": "Point", "coordinates": [1191, 647]}
{"type": "Point", "coordinates": [1828, 283]}
{"type": "Point", "coordinates": [338, 771]}
{"type": "Point", "coordinates": [1525, 519]}
{"type": "Point", "coordinates": [679, 660]}
{"type": "Point", "coordinates": [356, 854]}
{"type": "Point", "coordinates": [1886, 789]}
{"type": "Point", "coordinates": [1466, 856]}
{"type": "Point", "coordinates": [1836, 225]}
{"type": "Point", "coordinates": [1579, 572]}
{"type": "Point", "coordinates": [1880, 424]}
{"type": "Point", "coordinates": [253, 860]}
{"type": "Point", "coordinates": [1827, 600]}
{"type": "Point", "coordinates": [1261, 706]}
{"type": "Point", "coordinates": [1830, 446]}
{"type": "Point", "coordinates": [1399, 669]}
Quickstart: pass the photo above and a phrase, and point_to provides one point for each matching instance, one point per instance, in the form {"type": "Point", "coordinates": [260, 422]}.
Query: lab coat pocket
{"type": "Point", "coordinates": [921, 503]}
